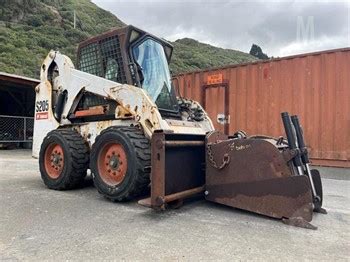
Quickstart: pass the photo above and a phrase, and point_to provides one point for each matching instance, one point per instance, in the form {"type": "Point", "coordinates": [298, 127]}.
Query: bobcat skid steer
{"type": "Point", "coordinates": [119, 116]}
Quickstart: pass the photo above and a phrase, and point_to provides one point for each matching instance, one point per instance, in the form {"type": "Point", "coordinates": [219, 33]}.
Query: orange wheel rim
{"type": "Point", "coordinates": [54, 160]}
{"type": "Point", "coordinates": [112, 164]}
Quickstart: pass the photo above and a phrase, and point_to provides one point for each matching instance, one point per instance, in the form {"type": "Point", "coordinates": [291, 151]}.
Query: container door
{"type": "Point", "coordinates": [216, 106]}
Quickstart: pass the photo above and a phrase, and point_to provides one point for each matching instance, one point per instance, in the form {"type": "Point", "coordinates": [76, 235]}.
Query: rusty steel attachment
{"type": "Point", "coordinates": [177, 171]}
{"type": "Point", "coordinates": [261, 174]}
{"type": "Point", "coordinates": [264, 175]}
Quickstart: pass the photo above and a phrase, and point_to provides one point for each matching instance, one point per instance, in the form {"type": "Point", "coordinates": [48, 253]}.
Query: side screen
{"type": "Point", "coordinates": [103, 59]}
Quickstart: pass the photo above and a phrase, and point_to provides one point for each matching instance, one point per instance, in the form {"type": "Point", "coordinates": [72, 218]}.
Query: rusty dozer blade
{"type": "Point", "coordinates": [252, 174]}
{"type": "Point", "coordinates": [264, 175]}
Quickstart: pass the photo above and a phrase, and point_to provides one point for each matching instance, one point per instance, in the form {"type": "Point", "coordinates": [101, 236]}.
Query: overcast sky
{"type": "Point", "coordinates": [281, 28]}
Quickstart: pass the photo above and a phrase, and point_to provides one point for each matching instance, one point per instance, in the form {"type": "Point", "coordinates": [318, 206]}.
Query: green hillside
{"type": "Point", "coordinates": [192, 55]}
{"type": "Point", "coordinates": [30, 28]}
{"type": "Point", "coordinates": [33, 27]}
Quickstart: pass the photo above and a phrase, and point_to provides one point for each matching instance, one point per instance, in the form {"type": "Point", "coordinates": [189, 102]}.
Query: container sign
{"type": "Point", "coordinates": [214, 79]}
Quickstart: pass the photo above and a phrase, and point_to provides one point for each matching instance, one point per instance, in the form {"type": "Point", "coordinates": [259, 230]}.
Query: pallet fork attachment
{"type": "Point", "coordinates": [177, 170]}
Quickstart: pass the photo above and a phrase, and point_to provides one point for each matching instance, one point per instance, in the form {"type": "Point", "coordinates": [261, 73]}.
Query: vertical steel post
{"type": "Point", "coordinates": [24, 128]}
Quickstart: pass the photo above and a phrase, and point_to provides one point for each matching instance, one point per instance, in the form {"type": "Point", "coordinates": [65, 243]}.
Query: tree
{"type": "Point", "coordinates": [257, 52]}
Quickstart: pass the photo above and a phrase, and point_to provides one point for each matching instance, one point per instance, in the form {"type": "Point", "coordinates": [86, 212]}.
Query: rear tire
{"type": "Point", "coordinates": [63, 159]}
{"type": "Point", "coordinates": [120, 162]}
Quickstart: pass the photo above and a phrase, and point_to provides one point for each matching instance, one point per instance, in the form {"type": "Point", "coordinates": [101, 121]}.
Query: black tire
{"type": "Point", "coordinates": [137, 175]}
{"type": "Point", "coordinates": [75, 157]}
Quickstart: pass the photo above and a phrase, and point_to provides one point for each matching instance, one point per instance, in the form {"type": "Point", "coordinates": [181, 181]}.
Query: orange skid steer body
{"type": "Point", "coordinates": [260, 174]}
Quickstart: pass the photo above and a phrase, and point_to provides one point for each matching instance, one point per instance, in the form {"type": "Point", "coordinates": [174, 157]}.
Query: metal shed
{"type": "Point", "coordinates": [251, 96]}
{"type": "Point", "coordinates": [17, 98]}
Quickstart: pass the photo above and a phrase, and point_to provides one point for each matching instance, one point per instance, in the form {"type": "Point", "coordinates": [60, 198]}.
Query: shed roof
{"type": "Point", "coordinates": [17, 79]}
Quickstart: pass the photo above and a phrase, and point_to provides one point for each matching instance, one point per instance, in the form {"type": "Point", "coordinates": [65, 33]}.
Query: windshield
{"type": "Point", "coordinates": [150, 56]}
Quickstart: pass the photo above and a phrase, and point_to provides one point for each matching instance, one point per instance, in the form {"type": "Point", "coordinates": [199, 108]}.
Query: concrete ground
{"type": "Point", "coordinates": [41, 224]}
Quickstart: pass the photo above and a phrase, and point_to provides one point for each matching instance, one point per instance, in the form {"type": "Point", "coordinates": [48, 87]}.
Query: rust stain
{"type": "Point", "coordinates": [123, 112]}
{"type": "Point", "coordinates": [103, 125]}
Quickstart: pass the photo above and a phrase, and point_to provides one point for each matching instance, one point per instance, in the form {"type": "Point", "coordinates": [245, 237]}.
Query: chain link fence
{"type": "Point", "coordinates": [16, 129]}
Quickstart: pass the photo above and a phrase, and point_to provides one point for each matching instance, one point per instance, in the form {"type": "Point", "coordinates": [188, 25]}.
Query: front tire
{"type": "Point", "coordinates": [63, 159]}
{"type": "Point", "coordinates": [120, 162]}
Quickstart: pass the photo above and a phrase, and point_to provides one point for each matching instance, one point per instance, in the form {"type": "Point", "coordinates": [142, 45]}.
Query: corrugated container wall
{"type": "Point", "coordinates": [251, 97]}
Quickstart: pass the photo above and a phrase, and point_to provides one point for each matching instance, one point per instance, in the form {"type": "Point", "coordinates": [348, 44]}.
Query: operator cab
{"type": "Point", "coordinates": [132, 56]}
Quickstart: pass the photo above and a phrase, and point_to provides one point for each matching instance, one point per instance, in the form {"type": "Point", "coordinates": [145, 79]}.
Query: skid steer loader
{"type": "Point", "coordinates": [119, 116]}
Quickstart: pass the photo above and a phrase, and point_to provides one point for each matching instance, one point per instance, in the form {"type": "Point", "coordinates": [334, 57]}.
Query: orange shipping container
{"type": "Point", "coordinates": [250, 97]}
